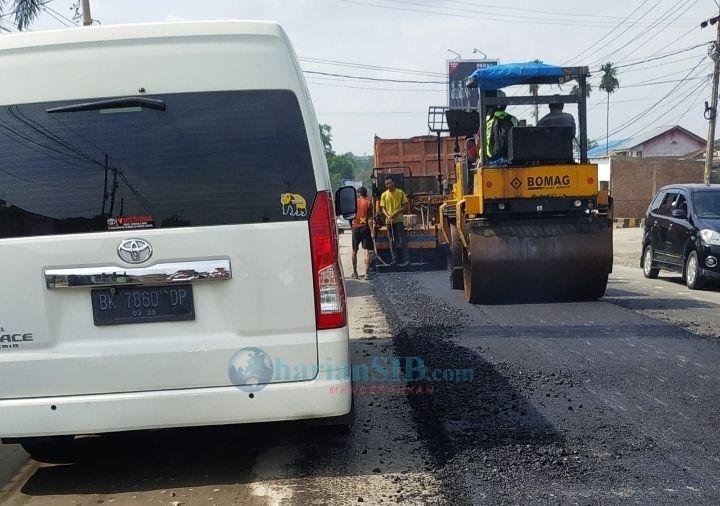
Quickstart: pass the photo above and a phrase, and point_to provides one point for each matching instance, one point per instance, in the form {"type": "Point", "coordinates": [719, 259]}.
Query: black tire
{"type": "Point", "coordinates": [52, 450]}
{"type": "Point", "coordinates": [470, 295]}
{"type": "Point", "coordinates": [693, 278]}
{"type": "Point", "coordinates": [455, 260]}
{"type": "Point", "coordinates": [649, 271]}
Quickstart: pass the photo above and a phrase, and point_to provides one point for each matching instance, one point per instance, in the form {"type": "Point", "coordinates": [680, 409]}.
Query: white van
{"type": "Point", "coordinates": [167, 234]}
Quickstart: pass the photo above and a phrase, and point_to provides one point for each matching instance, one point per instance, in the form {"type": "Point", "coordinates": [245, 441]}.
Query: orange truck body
{"type": "Point", "coordinates": [418, 154]}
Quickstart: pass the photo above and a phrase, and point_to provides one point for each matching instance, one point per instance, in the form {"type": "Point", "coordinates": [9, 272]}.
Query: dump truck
{"type": "Point", "coordinates": [533, 226]}
{"type": "Point", "coordinates": [423, 167]}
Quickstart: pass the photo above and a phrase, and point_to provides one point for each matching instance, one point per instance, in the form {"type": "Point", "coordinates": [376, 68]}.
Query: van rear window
{"type": "Point", "coordinates": [210, 158]}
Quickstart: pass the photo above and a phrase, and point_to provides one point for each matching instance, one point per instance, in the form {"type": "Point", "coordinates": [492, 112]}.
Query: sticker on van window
{"type": "Point", "coordinates": [130, 222]}
{"type": "Point", "coordinates": [293, 204]}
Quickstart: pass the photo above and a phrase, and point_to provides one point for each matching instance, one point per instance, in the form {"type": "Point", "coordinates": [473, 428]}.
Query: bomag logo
{"type": "Point", "coordinates": [548, 182]}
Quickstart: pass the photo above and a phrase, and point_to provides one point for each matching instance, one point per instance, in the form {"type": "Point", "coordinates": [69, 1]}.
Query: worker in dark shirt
{"type": "Point", "coordinates": [557, 118]}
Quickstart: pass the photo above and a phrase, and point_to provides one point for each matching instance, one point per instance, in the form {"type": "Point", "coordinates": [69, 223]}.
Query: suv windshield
{"type": "Point", "coordinates": [707, 204]}
{"type": "Point", "coordinates": [211, 158]}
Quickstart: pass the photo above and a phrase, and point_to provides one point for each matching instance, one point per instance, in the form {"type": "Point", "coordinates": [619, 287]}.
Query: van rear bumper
{"type": "Point", "coordinates": [322, 397]}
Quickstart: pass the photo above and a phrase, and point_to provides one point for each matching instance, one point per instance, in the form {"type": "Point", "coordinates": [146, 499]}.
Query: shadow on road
{"type": "Point", "coordinates": [358, 288]}
{"type": "Point", "coordinates": [468, 415]}
{"type": "Point", "coordinates": [158, 460]}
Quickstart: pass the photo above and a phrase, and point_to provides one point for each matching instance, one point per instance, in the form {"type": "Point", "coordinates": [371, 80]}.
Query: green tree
{"type": "Point", "coordinates": [609, 83]}
{"type": "Point", "coordinates": [575, 90]}
{"type": "Point", "coordinates": [342, 167]}
{"type": "Point", "coordinates": [326, 136]}
{"type": "Point", "coordinates": [24, 12]}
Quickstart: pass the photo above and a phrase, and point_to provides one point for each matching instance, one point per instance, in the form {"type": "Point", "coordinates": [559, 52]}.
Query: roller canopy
{"type": "Point", "coordinates": [500, 76]}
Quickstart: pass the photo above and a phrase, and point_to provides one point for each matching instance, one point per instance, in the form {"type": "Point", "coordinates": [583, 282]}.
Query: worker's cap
{"type": "Point", "coordinates": [556, 104]}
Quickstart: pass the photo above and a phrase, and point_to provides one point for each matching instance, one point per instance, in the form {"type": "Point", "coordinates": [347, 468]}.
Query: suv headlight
{"type": "Point", "coordinates": [710, 237]}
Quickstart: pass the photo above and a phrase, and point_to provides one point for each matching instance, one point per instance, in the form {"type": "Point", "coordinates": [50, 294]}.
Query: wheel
{"type": "Point", "coordinates": [693, 279]}
{"type": "Point", "coordinates": [455, 260]}
{"type": "Point", "coordinates": [51, 450]}
{"type": "Point", "coordinates": [470, 295]}
{"type": "Point", "coordinates": [649, 271]}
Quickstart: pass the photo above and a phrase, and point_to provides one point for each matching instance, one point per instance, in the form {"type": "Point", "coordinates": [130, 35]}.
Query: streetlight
{"type": "Point", "coordinates": [458, 55]}
{"type": "Point", "coordinates": [476, 50]}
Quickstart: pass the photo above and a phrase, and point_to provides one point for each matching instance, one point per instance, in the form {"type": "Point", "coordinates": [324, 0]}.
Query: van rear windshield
{"type": "Point", "coordinates": [210, 158]}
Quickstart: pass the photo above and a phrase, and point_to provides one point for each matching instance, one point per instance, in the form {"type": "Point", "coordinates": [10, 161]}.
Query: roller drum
{"type": "Point", "coordinates": [537, 261]}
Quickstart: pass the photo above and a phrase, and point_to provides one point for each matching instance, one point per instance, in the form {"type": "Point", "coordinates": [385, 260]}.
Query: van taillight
{"type": "Point", "coordinates": [330, 308]}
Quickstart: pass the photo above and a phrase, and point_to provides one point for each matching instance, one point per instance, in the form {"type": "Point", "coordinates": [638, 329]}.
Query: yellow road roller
{"type": "Point", "coordinates": [526, 221]}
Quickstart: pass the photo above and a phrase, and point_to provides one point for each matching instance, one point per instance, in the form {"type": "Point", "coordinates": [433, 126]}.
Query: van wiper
{"type": "Point", "coordinates": [115, 103]}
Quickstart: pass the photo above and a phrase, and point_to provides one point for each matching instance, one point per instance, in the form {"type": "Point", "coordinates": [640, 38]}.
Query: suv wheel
{"type": "Point", "coordinates": [693, 279]}
{"type": "Point", "coordinates": [649, 271]}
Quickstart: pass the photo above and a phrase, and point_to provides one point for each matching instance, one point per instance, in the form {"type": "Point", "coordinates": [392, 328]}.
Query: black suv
{"type": "Point", "coordinates": [682, 233]}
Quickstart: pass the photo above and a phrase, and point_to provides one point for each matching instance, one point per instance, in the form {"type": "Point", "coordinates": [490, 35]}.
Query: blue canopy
{"type": "Point", "coordinates": [500, 76]}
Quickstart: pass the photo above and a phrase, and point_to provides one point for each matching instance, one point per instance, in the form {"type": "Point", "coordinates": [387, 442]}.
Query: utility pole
{"type": "Point", "coordinates": [113, 191]}
{"type": "Point", "coordinates": [87, 18]}
{"type": "Point", "coordinates": [711, 110]}
{"type": "Point", "coordinates": [105, 192]}
{"type": "Point", "coordinates": [534, 89]}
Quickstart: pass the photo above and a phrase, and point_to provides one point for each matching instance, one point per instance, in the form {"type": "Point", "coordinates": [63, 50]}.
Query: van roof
{"type": "Point", "coordinates": [138, 31]}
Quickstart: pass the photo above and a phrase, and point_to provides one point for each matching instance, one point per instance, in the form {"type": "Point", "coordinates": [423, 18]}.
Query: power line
{"type": "Point", "coordinates": [694, 101]}
{"type": "Point", "coordinates": [422, 9]}
{"type": "Point", "coordinates": [373, 88]}
{"type": "Point", "coordinates": [577, 56]}
{"type": "Point", "coordinates": [338, 63]}
{"type": "Point", "coordinates": [627, 29]}
{"type": "Point", "coordinates": [655, 66]}
{"type": "Point", "coordinates": [687, 7]}
{"type": "Point", "coordinates": [649, 109]}
{"type": "Point", "coordinates": [379, 79]}
{"type": "Point", "coordinates": [71, 21]}
{"type": "Point", "coordinates": [664, 16]}
{"type": "Point", "coordinates": [680, 101]}
{"type": "Point", "coordinates": [658, 57]}
{"type": "Point", "coordinates": [370, 113]}
{"type": "Point", "coordinates": [545, 12]}
{"type": "Point", "coordinates": [38, 128]}
{"type": "Point", "coordinates": [57, 18]}
{"type": "Point", "coordinates": [675, 40]}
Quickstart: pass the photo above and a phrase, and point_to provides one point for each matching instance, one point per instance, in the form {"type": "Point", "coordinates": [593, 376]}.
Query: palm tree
{"type": "Point", "coordinates": [609, 83]}
{"type": "Point", "coordinates": [24, 11]}
{"type": "Point", "coordinates": [575, 90]}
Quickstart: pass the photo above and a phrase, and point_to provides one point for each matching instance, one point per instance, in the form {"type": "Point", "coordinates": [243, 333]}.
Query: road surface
{"type": "Point", "coordinates": [611, 401]}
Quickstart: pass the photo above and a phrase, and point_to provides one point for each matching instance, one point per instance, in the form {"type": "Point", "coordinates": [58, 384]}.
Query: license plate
{"type": "Point", "coordinates": [116, 306]}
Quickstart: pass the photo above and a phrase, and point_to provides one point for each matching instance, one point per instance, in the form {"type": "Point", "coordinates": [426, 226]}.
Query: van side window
{"type": "Point", "coordinates": [665, 207]}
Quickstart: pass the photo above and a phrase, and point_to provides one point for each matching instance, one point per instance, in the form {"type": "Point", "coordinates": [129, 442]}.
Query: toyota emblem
{"type": "Point", "coordinates": [135, 251]}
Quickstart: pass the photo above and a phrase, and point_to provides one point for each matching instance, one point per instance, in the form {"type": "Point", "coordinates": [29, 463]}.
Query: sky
{"type": "Point", "coordinates": [412, 37]}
